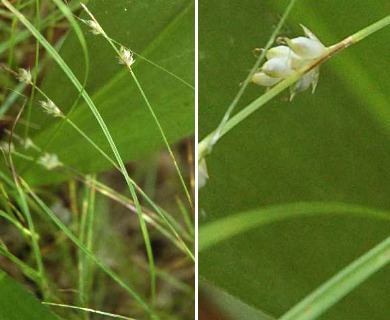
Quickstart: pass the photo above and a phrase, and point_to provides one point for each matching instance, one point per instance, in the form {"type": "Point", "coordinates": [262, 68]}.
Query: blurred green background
{"type": "Point", "coordinates": [330, 146]}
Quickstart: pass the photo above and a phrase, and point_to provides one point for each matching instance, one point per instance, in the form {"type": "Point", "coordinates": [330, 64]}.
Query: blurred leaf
{"type": "Point", "coordinates": [18, 304]}
{"type": "Point", "coordinates": [161, 32]}
{"type": "Point", "coordinates": [232, 307]}
{"type": "Point", "coordinates": [332, 146]}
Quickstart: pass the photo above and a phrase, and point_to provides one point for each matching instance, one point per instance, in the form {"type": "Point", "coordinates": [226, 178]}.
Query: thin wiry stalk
{"type": "Point", "coordinates": [329, 293]}
{"type": "Point", "coordinates": [27, 214]}
{"type": "Point", "coordinates": [80, 36]}
{"type": "Point", "coordinates": [217, 133]}
{"type": "Point", "coordinates": [147, 102]}
{"type": "Point", "coordinates": [36, 66]}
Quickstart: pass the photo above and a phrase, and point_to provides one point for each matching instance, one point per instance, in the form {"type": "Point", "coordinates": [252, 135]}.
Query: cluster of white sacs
{"type": "Point", "coordinates": [284, 60]}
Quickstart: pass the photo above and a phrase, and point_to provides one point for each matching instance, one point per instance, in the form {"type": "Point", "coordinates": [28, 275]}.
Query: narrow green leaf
{"type": "Point", "coordinates": [223, 229]}
{"type": "Point", "coordinates": [341, 284]}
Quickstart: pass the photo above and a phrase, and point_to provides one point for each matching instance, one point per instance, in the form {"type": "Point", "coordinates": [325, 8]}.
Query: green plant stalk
{"type": "Point", "coordinates": [341, 284]}
{"type": "Point", "coordinates": [82, 272]}
{"type": "Point", "coordinates": [230, 109]}
{"type": "Point", "coordinates": [163, 136]}
{"type": "Point", "coordinates": [86, 237]}
{"type": "Point", "coordinates": [143, 226]}
{"type": "Point", "coordinates": [186, 217]}
{"type": "Point", "coordinates": [36, 66]}
{"type": "Point", "coordinates": [12, 39]}
{"type": "Point", "coordinates": [153, 221]}
{"type": "Point", "coordinates": [203, 148]}
{"type": "Point", "coordinates": [34, 240]}
{"type": "Point", "coordinates": [21, 200]}
{"type": "Point", "coordinates": [95, 112]}
{"type": "Point", "coordinates": [17, 224]}
{"type": "Point", "coordinates": [80, 36]}
{"type": "Point", "coordinates": [27, 270]}
{"type": "Point", "coordinates": [151, 110]}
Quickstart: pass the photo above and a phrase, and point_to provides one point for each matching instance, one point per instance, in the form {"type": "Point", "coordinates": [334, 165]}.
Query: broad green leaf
{"type": "Point", "coordinates": [17, 303]}
{"type": "Point", "coordinates": [230, 306]}
{"type": "Point", "coordinates": [332, 146]}
{"type": "Point", "coordinates": [159, 31]}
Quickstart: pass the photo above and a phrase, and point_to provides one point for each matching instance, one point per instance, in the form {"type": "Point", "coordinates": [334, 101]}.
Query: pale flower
{"type": "Point", "coordinates": [96, 29]}
{"type": "Point", "coordinates": [262, 79]}
{"type": "Point", "coordinates": [50, 108]}
{"type": "Point", "coordinates": [284, 60]}
{"type": "Point", "coordinates": [203, 175]}
{"type": "Point", "coordinates": [278, 67]}
{"type": "Point", "coordinates": [126, 57]}
{"type": "Point", "coordinates": [24, 75]}
{"type": "Point", "coordinates": [306, 48]}
{"type": "Point", "coordinates": [49, 161]}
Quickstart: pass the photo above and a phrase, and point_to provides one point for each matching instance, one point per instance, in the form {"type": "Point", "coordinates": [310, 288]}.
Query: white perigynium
{"type": "Point", "coordinates": [284, 60]}
{"type": "Point", "coordinates": [126, 56]}
{"type": "Point", "coordinates": [49, 161]}
{"type": "Point", "coordinates": [96, 29]}
{"type": "Point", "coordinates": [278, 67]}
{"type": "Point", "coordinates": [203, 175]}
{"type": "Point", "coordinates": [262, 79]}
{"type": "Point", "coordinates": [24, 75]}
{"type": "Point", "coordinates": [50, 108]}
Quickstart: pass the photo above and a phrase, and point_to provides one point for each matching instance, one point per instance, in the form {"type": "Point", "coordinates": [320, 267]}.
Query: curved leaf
{"type": "Point", "coordinates": [224, 229]}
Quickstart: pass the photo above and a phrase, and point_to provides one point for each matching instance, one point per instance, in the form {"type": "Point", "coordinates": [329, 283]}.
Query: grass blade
{"type": "Point", "coordinates": [341, 284]}
{"type": "Point", "coordinates": [224, 229]}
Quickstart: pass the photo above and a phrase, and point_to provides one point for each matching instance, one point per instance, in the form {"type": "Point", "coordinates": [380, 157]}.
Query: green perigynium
{"type": "Point", "coordinates": [284, 60]}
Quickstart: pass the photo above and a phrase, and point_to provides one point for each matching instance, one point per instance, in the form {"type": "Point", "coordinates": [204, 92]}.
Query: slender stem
{"type": "Point", "coordinates": [26, 211]}
{"type": "Point", "coordinates": [147, 102]}
{"type": "Point", "coordinates": [360, 35]}
{"type": "Point", "coordinates": [341, 284]}
{"type": "Point", "coordinates": [36, 66]}
{"type": "Point", "coordinates": [217, 133]}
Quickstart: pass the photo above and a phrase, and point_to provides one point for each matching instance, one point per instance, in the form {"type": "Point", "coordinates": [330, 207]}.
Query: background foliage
{"type": "Point", "coordinates": [101, 216]}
